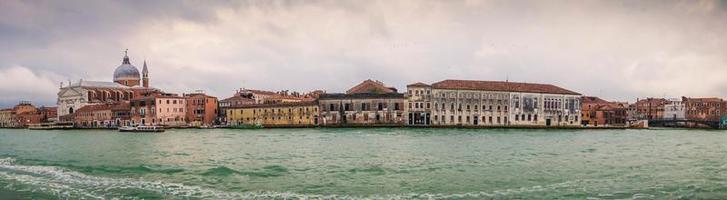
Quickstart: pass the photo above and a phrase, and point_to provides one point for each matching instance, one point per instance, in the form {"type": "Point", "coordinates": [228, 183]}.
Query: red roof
{"type": "Point", "coordinates": [591, 99]}
{"type": "Point", "coordinates": [95, 107]}
{"type": "Point", "coordinates": [501, 86]}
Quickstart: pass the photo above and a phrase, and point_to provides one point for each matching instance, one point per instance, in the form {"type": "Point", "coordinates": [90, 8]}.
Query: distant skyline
{"type": "Point", "coordinates": [617, 50]}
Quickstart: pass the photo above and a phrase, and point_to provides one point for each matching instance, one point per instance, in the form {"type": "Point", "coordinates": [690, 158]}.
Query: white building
{"type": "Point", "coordinates": [674, 109]}
{"type": "Point", "coordinates": [126, 84]}
{"type": "Point", "coordinates": [496, 103]}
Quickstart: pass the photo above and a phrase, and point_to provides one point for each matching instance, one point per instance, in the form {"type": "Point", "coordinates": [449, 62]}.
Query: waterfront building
{"type": "Point", "coordinates": [294, 114]}
{"type": "Point", "coordinates": [649, 108]}
{"type": "Point", "coordinates": [201, 109]}
{"type": "Point", "coordinates": [102, 116]}
{"type": "Point", "coordinates": [598, 112]}
{"type": "Point", "coordinates": [159, 109]}
{"type": "Point", "coordinates": [419, 100]}
{"type": "Point", "coordinates": [121, 114]}
{"type": "Point", "coordinates": [498, 103]}
{"type": "Point", "coordinates": [251, 96]}
{"type": "Point", "coordinates": [93, 116]}
{"type": "Point", "coordinates": [706, 109]}
{"type": "Point", "coordinates": [25, 114]}
{"type": "Point", "coordinates": [674, 109]}
{"type": "Point", "coordinates": [7, 118]}
{"type": "Point", "coordinates": [124, 87]}
{"type": "Point", "coordinates": [369, 103]}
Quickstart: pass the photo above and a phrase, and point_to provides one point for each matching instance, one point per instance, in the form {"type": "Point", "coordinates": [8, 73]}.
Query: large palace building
{"type": "Point", "coordinates": [492, 103]}
{"type": "Point", "coordinates": [127, 84]}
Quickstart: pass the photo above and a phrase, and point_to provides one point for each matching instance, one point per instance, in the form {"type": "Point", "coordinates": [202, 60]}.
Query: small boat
{"type": "Point", "coordinates": [51, 126]}
{"type": "Point", "coordinates": [247, 126]}
{"type": "Point", "coordinates": [141, 129]}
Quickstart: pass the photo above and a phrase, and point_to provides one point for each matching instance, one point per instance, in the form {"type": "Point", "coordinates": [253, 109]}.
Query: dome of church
{"type": "Point", "coordinates": [126, 71]}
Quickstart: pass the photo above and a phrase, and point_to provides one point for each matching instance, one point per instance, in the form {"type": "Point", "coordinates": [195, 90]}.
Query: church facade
{"type": "Point", "coordinates": [127, 83]}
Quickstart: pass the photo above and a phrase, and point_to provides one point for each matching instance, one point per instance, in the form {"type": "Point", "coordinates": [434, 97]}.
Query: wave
{"type": "Point", "coordinates": [67, 184]}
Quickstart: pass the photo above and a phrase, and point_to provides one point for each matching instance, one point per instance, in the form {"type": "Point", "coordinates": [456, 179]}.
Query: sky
{"type": "Point", "coordinates": [617, 50]}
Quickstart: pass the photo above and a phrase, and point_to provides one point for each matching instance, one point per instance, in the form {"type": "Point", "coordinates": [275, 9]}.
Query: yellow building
{"type": "Point", "coordinates": [299, 114]}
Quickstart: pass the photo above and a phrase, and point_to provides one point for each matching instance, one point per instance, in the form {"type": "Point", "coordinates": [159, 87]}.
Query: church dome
{"type": "Point", "coordinates": [126, 71]}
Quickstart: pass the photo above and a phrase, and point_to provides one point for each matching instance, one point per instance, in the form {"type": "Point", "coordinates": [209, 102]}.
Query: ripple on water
{"type": "Point", "coordinates": [267, 171]}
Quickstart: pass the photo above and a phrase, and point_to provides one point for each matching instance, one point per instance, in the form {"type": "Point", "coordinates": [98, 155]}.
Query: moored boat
{"type": "Point", "coordinates": [141, 129]}
{"type": "Point", "coordinates": [51, 126]}
{"type": "Point", "coordinates": [247, 126]}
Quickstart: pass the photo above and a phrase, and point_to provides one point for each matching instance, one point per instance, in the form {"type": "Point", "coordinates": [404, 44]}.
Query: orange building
{"type": "Point", "coordinates": [599, 112]}
{"type": "Point", "coordinates": [25, 113]}
{"type": "Point", "coordinates": [201, 109]}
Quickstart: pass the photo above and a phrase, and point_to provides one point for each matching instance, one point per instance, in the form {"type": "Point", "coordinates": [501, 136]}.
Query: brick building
{"type": "Point", "coordinates": [710, 109]}
{"type": "Point", "coordinates": [598, 112]}
{"type": "Point", "coordinates": [201, 109]}
{"type": "Point", "coordinates": [159, 109]}
{"type": "Point", "coordinates": [649, 109]}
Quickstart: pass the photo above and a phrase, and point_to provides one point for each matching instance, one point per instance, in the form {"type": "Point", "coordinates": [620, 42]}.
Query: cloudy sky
{"type": "Point", "coordinates": [619, 50]}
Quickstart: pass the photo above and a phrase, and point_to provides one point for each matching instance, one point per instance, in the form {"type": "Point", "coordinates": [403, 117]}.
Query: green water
{"type": "Point", "coordinates": [364, 164]}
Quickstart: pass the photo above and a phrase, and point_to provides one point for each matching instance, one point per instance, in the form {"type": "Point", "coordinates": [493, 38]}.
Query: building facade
{"type": "Point", "coordinates": [649, 108]}
{"type": "Point", "coordinates": [7, 118]}
{"type": "Point", "coordinates": [93, 116]}
{"type": "Point", "coordinates": [419, 100]}
{"type": "Point", "coordinates": [495, 103]}
{"type": "Point", "coordinates": [201, 109]}
{"type": "Point", "coordinates": [674, 109]}
{"type": "Point", "coordinates": [598, 112]}
{"type": "Point", "coordinates": [297, 114]}
{"type": "Point", "coordinates": [706, 109]}
{"type": "Point", "coordinates": [369, 103]}
{"type": "Point", "coordinates": [124, 87]}
{"type": "Point", "coordinates": [159, 109]}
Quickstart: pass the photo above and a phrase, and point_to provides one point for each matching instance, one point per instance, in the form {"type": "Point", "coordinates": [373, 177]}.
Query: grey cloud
{"type": "Point", "coordinates": [619, 50]}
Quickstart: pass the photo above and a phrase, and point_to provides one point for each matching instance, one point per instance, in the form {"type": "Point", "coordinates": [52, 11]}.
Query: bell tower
{"type": "Point", "coordinates": [145, 76]}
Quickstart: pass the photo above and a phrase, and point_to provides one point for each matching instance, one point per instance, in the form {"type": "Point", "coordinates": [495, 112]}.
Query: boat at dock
{"type": "Point", "coordinates": [51, 126]}
{"type": "Point", "coordinates": [141, 129]}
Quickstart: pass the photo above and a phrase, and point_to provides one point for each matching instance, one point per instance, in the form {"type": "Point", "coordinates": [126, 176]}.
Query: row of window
{"type": "Point", "coordinates": [363, 106]}
{"type": "Point", "coordinates": [273, 110]}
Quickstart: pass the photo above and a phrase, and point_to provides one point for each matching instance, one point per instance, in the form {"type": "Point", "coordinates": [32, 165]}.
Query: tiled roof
{"type": "Point", "coordinates": [370, 86]}
{"type": "Point", "coordinates": [591, 99]}
{"type": "Point", "coordinates": [418, 84]}
{"type": "Point", "coordinates": [361, 96]}
{"type": "Point", "coordinates": [237, 98]}
{"type": "Point", "coordinates": [98, 84]}
{"type": "Point", "coordinates": [94, 107]}
{"type": "Point", "coordinates": [709, 99]}
{"type": "Point", "coordinates": [501, 86]}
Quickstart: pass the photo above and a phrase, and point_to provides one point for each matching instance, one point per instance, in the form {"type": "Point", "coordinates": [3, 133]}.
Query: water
{"type": "Point", "coordinates": [377, 163]}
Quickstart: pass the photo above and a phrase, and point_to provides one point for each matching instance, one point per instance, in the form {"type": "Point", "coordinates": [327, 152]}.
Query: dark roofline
{"type": "Point", "coordinates": [334, 96]}
{"type": "Point", "coordinates": [273, 105]}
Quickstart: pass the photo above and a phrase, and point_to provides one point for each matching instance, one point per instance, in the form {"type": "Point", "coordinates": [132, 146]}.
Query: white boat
{"type": "Point", "coordinates": [141, 129]}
